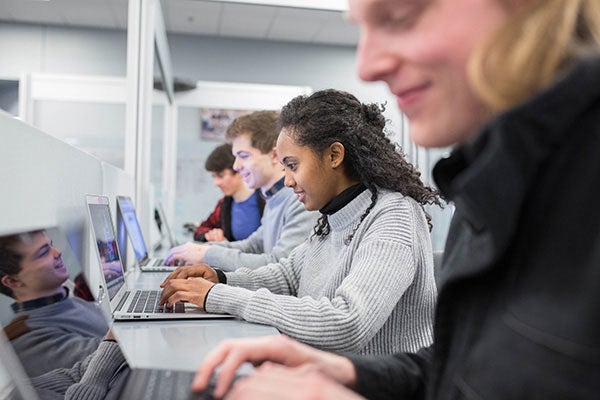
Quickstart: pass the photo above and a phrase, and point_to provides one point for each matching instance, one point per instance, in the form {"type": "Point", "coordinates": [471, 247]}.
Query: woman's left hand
{"type": "Point", "coordinates": [192, 290]}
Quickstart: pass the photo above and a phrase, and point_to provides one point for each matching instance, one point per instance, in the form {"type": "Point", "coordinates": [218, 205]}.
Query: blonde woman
{"type": "Point", "coordinates": [515, 86]}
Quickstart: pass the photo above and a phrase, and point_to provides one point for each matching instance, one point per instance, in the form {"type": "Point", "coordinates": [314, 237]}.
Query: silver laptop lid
{"type": "Point", "coordinates": [165, 224]}
{"type": "Point", "coordinates": [105, 242]}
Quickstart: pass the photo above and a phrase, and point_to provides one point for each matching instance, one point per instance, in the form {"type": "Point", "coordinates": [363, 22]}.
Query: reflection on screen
{"type": "Point", "coordinates": [43, 257]}
{"type": "Point", "coordinates": [133, 227]}
{"type": "Point", "coordinates": [107, 248]}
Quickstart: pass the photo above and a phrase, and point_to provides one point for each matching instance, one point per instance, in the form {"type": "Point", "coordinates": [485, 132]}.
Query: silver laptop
{"type": "Point", "coordinates": [163, 224]}
{"type": "Point", "coordinates": [126, 211]}
{"type": "Point", "coordinates": [128, 304]}
{"type": "Point", "coordinates": [134, 383]}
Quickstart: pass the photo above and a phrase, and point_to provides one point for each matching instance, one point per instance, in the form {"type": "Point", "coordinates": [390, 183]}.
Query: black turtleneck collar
{"type": "Point", "coordinates": [340, 201]}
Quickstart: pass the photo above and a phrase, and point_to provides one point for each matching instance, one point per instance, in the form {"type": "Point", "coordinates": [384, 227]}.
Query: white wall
{"type": "Point", "coordinates": [35, 48]}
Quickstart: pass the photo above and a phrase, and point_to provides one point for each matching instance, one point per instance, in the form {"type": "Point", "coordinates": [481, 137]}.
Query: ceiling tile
{"type": "Point", "coordinates": [338, 31]}
{"type": "Point", "coordinates": [35, 11]}
{"type": "Point", "coordinates": [189, 16]}
{"type": "Point", "coordinates": [246, 20]}
{"type": "Point", "coordinates": [197, 17]}
{"type": "Point", "coordinates": [96, 13]}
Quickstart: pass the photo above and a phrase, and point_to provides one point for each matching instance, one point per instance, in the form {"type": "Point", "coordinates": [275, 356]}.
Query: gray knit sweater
{"type": "Point", "coordinates": [93, 378]}
{"type": "Point", "coordinates": [60, 335]}
{"type": "Point", "coordinates": [284, 225]}
{"type": "Point", "coordinates": [373, 296]}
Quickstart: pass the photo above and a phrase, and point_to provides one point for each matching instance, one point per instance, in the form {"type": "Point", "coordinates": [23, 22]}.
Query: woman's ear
{"type": "Point", "coordinates": [336, 155]}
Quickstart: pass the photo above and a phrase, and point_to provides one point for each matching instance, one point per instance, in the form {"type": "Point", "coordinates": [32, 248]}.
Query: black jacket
{"type": "Point", "coordinates": [518, 313]}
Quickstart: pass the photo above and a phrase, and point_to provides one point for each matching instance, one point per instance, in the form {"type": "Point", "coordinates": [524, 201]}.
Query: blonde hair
{"type": "Point", "coordinates": [538, 42]}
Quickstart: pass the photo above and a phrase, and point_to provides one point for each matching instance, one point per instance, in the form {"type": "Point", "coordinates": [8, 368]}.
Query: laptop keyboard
{"type": "Point", "coordinates": [155, 262]}
{"type": "Point", "coordinates": [147, 301]}
{"type": "Point", "coordinates": [152, 384]}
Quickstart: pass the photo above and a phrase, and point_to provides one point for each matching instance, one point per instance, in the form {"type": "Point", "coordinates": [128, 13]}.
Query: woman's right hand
{"type": "Point", "coordinates": [231, 354]}
{"type": "Point", "coordinates": [193, 271]}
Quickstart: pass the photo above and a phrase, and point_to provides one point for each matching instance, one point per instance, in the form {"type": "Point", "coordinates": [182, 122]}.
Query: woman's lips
{"type": "Point", "coordinates": [409, 98]}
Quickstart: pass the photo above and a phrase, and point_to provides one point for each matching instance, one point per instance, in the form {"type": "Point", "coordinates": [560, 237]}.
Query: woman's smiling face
{"type": "Point", "coordinates": [315, 179]}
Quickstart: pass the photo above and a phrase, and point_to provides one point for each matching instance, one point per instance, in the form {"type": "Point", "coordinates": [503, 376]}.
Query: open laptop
{"type": "Point", "coordinates": [133, 383]}
{"type": "Point", "coordinates": [163, 224]}
{"type": "Point", "coordinates": [128, 304]}
{"type": "Point", "coordinates": [129, 383]}
{"type": "Point", "coordinates": [126, 211]}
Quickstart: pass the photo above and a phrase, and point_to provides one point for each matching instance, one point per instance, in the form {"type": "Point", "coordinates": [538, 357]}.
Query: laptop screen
{"type": "Point", "coordinates": [104, 234]}
{"type": "Point", "coordinates": [163, 220]}
{"type": "Point", "coordinates": [132, 225]}
{"type": "Point", "coordinates": [122, 239]}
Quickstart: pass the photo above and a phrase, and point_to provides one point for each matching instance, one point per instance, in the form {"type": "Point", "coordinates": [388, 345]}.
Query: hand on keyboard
{"type": "Point", "coordinates": [190, 253]}
{"type": "Point", "coordinates": [191, 290]}
{"type": "Point", "coordinates": [193, 271]}
{"type": "Point", "coordinates": [295, 360]}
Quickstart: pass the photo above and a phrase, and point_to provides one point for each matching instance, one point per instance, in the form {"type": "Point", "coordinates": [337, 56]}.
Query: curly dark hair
{"type": "Point", "coordinates": [329, 116]}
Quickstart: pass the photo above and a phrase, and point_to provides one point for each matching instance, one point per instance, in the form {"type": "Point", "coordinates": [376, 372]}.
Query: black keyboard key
{"type": "Point", "coordinates": [135, 299]}
{"type": "Point", "coordinates": [158, 384]}
{"type": "Point", "coordinates": [122, 302]}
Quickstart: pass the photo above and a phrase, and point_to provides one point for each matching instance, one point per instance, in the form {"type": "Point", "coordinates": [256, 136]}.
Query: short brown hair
{"type": "Point", "coordinates": [220, 159]}
{"type": "Point", "coordinates": [260, 126]}
{"type": "Point", "coordinates": [10, 260]}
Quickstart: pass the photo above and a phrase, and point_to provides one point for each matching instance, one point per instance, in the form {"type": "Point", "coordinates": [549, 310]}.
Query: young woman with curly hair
{"type": "Point", "coordinates": [363, 282]}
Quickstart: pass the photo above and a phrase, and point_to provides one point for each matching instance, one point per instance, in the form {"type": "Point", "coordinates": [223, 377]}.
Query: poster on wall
{"type": "Point", "coordinates": [214, 122]}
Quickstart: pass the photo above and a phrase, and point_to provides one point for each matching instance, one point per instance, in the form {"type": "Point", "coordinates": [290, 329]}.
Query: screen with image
{"type": "Point", "coordinates": [47, 306]}
{"type": "Point", "coordinates": [106, 242]}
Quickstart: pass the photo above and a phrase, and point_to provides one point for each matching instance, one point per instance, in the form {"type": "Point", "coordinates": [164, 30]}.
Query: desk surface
{"type": "Point", "coordinates": [174, 344]}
